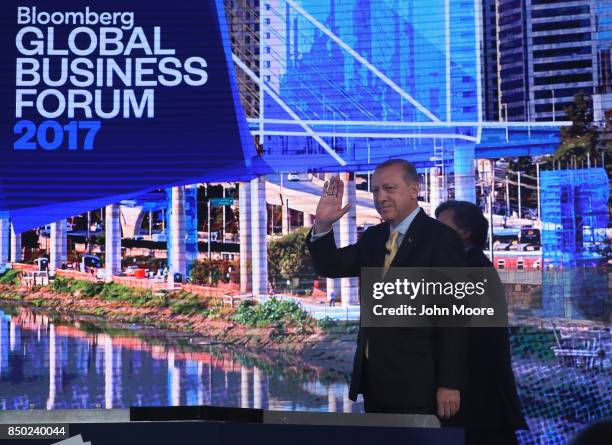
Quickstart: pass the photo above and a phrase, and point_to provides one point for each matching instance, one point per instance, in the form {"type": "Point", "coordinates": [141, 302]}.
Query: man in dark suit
{"type": "Point", "coordinates": [491, 411]}
{"type": "Point", "coordinates": [398, 370]}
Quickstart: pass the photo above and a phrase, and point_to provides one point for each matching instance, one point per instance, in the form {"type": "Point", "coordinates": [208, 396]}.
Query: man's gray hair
{"type": "Point", "coordinates": [410, 173]}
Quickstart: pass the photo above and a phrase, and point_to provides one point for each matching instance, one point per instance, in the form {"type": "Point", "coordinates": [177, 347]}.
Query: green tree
{"type": "Point", "coordinates": [205, 272]}
{"type": "Point", "coordinates": [523, 164]}
{"type": "Point", "coordinates": [581, 139]}
{"type": "Point", "coordinates": [288, 257]}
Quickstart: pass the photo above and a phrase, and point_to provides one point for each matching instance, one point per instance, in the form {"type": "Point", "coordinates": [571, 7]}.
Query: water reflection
{"type": "Point", "coordinates": [52, 363]}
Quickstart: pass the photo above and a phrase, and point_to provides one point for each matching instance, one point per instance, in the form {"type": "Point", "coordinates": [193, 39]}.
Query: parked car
{"type": "Point", "coordinates": [294, 177]}
{"type": "Point", "coordinates": [519, 247]}
{"type": "Point", "coordinates": [89, 261]}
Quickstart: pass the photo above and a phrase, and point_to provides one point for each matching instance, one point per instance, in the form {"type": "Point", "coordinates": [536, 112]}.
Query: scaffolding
{"type": "Point", "coordinates": [574, 216]}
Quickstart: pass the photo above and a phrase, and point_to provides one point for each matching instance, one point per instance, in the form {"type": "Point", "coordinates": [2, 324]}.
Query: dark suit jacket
{"type": "Point", "coordinates": [406, 365]}
{"type": "Point", "coordinates": [491, 400]}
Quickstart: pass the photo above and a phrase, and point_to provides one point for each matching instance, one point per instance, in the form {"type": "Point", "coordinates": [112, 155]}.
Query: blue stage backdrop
{"type": "Point", "coordinates": [106, 100]}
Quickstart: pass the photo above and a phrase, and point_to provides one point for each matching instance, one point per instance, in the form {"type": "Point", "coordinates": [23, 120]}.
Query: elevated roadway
{"type": "Point", "coordinates": [304, 196]}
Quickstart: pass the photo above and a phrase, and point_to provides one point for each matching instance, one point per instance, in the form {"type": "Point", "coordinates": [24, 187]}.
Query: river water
{"type": "Point", "coordinates": [52, 363]}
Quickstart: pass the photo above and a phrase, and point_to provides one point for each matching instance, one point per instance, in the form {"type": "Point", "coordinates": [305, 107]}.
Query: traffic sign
{"type": "Point", "coordinates": [218, 202]}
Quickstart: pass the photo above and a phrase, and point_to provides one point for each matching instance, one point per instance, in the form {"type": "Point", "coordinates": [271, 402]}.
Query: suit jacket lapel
{"type": "Point", "coordinates": [409, 240]}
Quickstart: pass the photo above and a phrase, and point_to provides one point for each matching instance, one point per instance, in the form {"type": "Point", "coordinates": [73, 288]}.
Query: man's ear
{"type": "Point", "coordinates": [415, 189]}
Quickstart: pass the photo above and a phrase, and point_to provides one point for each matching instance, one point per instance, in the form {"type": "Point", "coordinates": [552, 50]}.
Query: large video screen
{"type": "Point", "coordinates": [162, 166]}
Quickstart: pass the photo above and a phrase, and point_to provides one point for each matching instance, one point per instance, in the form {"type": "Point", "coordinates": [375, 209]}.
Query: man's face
{"type": "Point", "coordinates": [447, 217]}
{"type": "Point", "coordinates": [394, 197]}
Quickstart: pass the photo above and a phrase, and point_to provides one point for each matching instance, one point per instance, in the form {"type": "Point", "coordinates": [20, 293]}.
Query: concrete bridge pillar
{"type": "Point", "coordinates": [348, 235]}
{"type": "Point", "coordinates": [246, 249]}
{"type": "Point", "coordinates": [191, 226]}
{"type": "Point", "coordinates": [4, 243]}
{"type": "Point", "coordinates": [334, 284]}
{"type": "Point", "coordinates": [58, 245]}
{"type": "Point", "coordinates": [308, 220]}
{"type": "Point", "coordinates": [112, 243]}
{"type": "Point", "coordinates": [131, 220]}
{"type": "Point", "coordinates": [16, 252]}
{"type": "Point", "coordinates": [176, 238]}
{"type": "Point", "coordinates": [465, 185]}
{"type": "Point", "coordinates": [259, 220]}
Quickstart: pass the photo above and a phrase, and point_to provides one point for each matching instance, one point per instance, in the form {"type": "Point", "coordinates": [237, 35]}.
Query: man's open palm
{"type": "Point", "coordinates": [329, 209]}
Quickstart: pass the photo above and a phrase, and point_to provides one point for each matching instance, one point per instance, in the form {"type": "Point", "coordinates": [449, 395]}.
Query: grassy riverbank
{"type": "Point", "coordinates": [275, 325]}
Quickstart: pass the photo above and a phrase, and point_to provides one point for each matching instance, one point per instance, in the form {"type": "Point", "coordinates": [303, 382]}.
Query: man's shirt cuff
{"type": "Point", "coordinates": [316, 236]}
